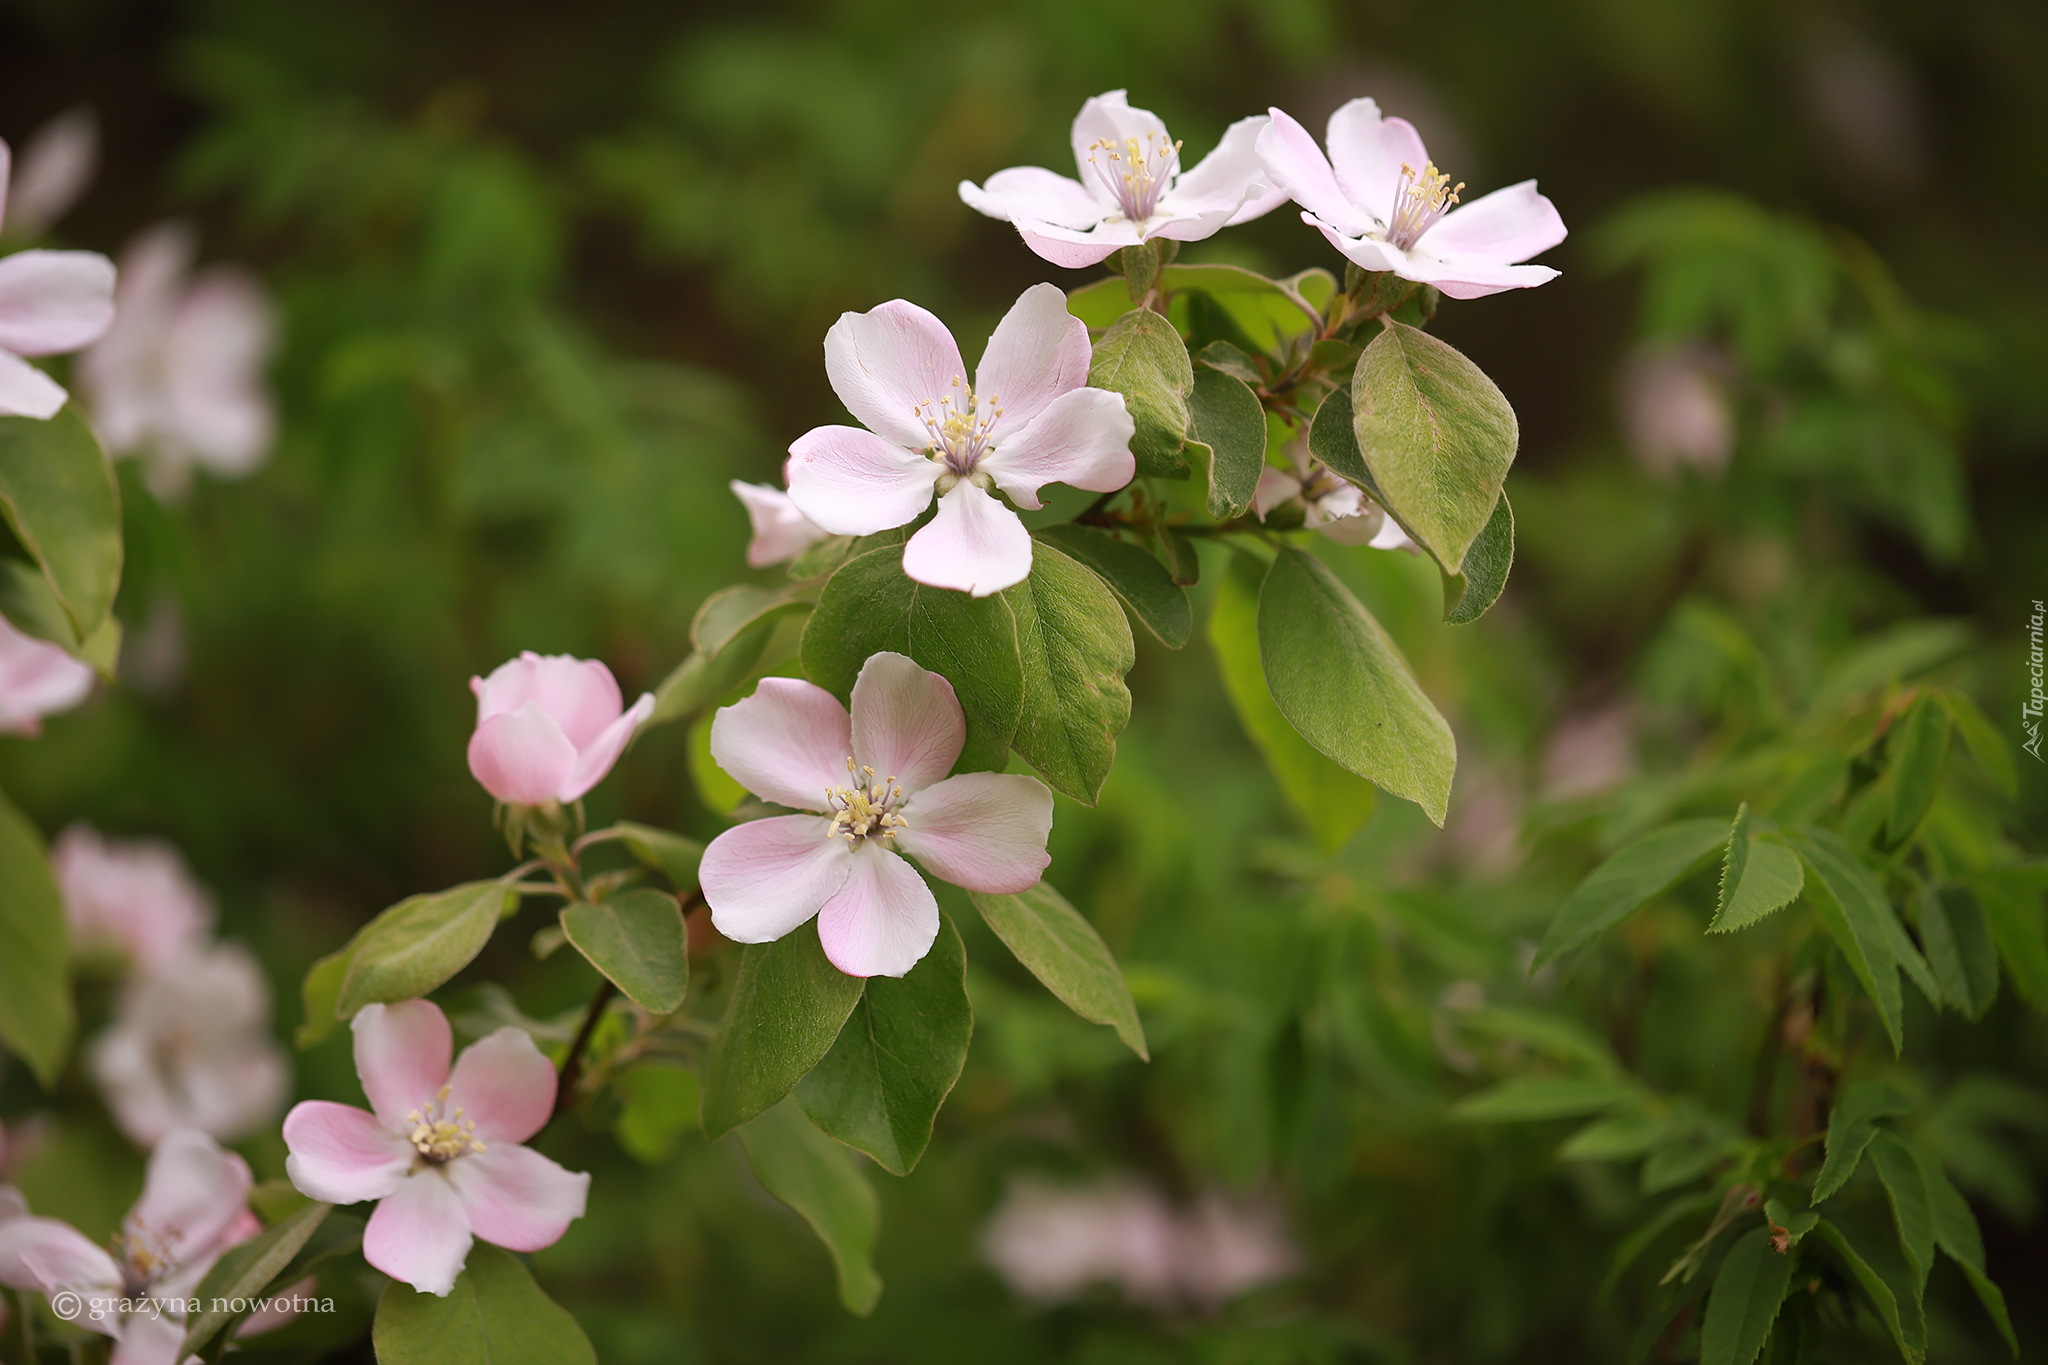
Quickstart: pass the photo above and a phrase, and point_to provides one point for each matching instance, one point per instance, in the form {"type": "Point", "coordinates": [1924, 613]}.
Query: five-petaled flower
{"type": "Point", "coordinates": [781, 530]}
{"type": "Point", "coordinates": [441, 1153]}
{"type": "Point", "coordinates": [50, 302]}
{"type": "Point", "coordinates": [1381, 202]}
{"type": "Point", "coordinates": [1027, 420]}
{"type": "Point", "coordinates": [549, 727]}
{"type": "Point", "coordinates": [874, 782]}
{"type": "Point", "coordinates": [1131, 187]}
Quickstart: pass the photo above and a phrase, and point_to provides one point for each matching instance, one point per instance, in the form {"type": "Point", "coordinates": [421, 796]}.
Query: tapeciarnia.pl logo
{"type": "Point", "coordinates": [2030, 710]}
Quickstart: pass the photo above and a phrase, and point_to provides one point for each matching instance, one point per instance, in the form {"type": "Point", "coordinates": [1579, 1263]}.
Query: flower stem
{"type": "Point", "coordinates": [572, 1065]}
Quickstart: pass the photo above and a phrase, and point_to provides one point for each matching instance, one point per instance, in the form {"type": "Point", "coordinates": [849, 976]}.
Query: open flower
{"type": "Point", "coordinates": [57, 163]}
{"type": "Point", "coordinates": [781, 530]}
{"type": "Point", "coordinates": [549, 727]}
{"type": "Point", "coordinates": [1131, 187]}
{"type": "Point", "coordinates": [194, 1206]}
{"type": "Point", "coordinates": [1381, 202]}
{"type": "Point", "coordinates": [133, 896]}
{"type": "Point", "coordinates": [180, 373]}
{"type": "Point", "coordinates": [50, 302]}
{"type": "Point", "coordinates": [441, 1153]}
{"type": "Point", "coordinates": [1028, 419]}
{"type": "Point", "coordinates": [873, 779]}
{"type": "Point", "coordinates": [1340, 510]}
{"type": "Point", "coordinates": [37, 679]}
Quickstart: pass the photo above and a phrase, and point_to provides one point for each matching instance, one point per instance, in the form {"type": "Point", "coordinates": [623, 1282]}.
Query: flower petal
{"type": "Point", "coordinates": [1082, 438]}
{"type": "Point", "coordinates": [1034, 192]}
{"type": "Point", "coordinates": [193, 1192]}
{"type": "Point", "coordinates": [1038, 352]}
{"type": "Point", "coordinates": [26, 391]}
{"type": "Point", "coordinates": [1274, 488]}
{"type": "Point", "coordinates": [1506, 226]}
{"type": "Point", "coordinates": [43, 1253]}
{"type": "Point", "coordinates": [597, 757]}
{"type": "Point", "coordinates": [213, 360]}
{"type": "Point", "coordinates": [147, 1340]}
{"type": "Point", "coordinates": [1110, 118]}
{"type": "Point", "coordinates": [6, 174]}
{"type": "Point", "coordinates": [883, 921]}
{"type": "Point", "coordinates": [1368, 253]}
{"type": "Point", "coordinates": [781, 530]}
{"type": "Point", "coordinates": [1367, 153]}
{"type": "Point", "coordinates": [402, 1053]}
{"type": "Point", "coordinates": [54, 301]}
{"type": "Point", "coordinates": [516, 1198]}
{"type": "Point", "coordinates": [420, 1233]}
{"type": "Point", "coordinates": [975, 545]}
{"type": "Point", "coordinates": [854, 483]}
{"type": "Point", "coordinates": [36, 678]}
{"type": "Point", "coordinates": [1230, 177]}
{"type": "Point", "coordinates": [907, 722]}
{"type": "Point", "coordinates": [56, 166]}
{"type": "Point", "coordinates": [580, 695]}
{"type": "Point", "coordinates": [766, 877]}
{"type": "Point", "coordinates": [503, 1085]}
{"type": "Point", "coordinates": [982, 831]}
{"type": "Point", "coordinates": [1294, 163]}
{"type": "Point", "coordinates": [342, 1154]}
{"type": "Point", "coordinates": [1078, 250]}
{"type": "Point", "coordinates": [1468, 279]}
{"type": "Point", "coordinates": [787, 743]}
{"type": "Point", "coordinates": [886, 363]}
{"type": "Point", "coordinates": [522, 756]}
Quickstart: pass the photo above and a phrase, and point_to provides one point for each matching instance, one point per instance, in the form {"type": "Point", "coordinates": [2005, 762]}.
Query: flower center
{"type": "Point", "coordinates": [440, 1139]}
{"type": "Point", "coordinates": [867, 809]}
{"type": "Point", "coordinates": [1419, 201]}
{"type": "Point", "coordinates": [961, 433]}
{"type": "Point", "coordinates": [1137, 173]}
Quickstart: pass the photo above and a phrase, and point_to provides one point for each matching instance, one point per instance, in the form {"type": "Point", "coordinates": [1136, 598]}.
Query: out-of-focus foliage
{"type": "Point", "coordinates": [549, 281]}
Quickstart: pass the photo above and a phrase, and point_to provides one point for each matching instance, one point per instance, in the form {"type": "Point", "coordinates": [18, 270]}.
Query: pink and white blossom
{"type": "Point", "coordinates": [194, 1206]}
{"type": "Point", "coordinates": [781, 530]}
{"type": "Point", "coordinates": [549, 727]}
{"type": "Point", "coordinates": [179, 375]}
{"type": "Point", "coordinates": [1334, 506]}
{"type": "Point", "coordinates": [190, 1047]}
{"type": "Point", "coordinates": [57, 164]}
{"type": "Point", "coordinates": [1384, 205]}
{"type": "Point", "coordinates": [50, 302]}
{"type": "Point", "coordinates": [441, 1152]}
{"type": "Point", "coordinates": [1028, 419]}
{"type": "Point", "coordinates": [874, 781]}
{"type": "Point", "coordinates": [37, 678]}
{"type": "Point", "coordinates": [132, 896]}
{"type": "Point", "coordinates": [1132, 188]}
{"type": "Point", "coordinates": [1676, 411]}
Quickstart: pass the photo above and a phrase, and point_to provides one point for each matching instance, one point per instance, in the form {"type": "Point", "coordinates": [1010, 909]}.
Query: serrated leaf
{"type": "Point", "coordinates": [1142, 358]}
{"type": "Point", "coordinates": [1744, 1300]}
{"type": "Point", "coordinates": [419, 943]}
{"type": "Point", "coordinates": [787, 1007]}
{"type": "Point", "coordinates": [1226, 439]}
{"type": "Point", "coordinates": [1852, 906]}
{"type": "Point", "coordinates": [1061, 948]}
{"type": "Point", "coordinates": [818, 1178]}
{"type": "Point", "coordinates": [1141, 582]}
{"type": "Point", "coordinates": [1761, 876]}
{"type": "Point", "coordinates": [495, 1315]}
{"type": "Point", "coordinates": [1851, 1126]}
{"type": "Point", "coordinates": [2013, 915]}
{"type": "Point", "coordinates": [59, 495]}
{"type": "Point", "coordinates": [1957, 1234]}
{"type": "Point", "coordinates": [636, 940]}
{"type": "Point", "coordinates": [1628, 880]}
{"type": "Point", "coordinates": [1529, 1098]}
{"type": "Point", "coordinates": [1982, 739]}
{"type": "Point", "coordinates": [1902, 1321]}
{"type": "Point", "coordinates": [1960, 952]}
{"type": "Point", "coordinates": [674, 856]}
{"type": "Point", "coordinates": [1478, 585]}
{"type": "Point", "coordinates": [1339, 679]}
{"type": "Point", "coordinates": [36, 1012]}
{"type": "Point", "coordinates": [880, 1087]}
{"type": "Point", "coordinates": [1616, 1137]}
{"type": "Point", "coordinates": [1918, 754]}
{"type": "Point", "coordinates": [1905, 1186]}
{"type": "Point", "coordinates": [1074, 647]}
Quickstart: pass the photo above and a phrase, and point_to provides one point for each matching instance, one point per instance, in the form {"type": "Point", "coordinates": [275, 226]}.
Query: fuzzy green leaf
{"type": "Point", "coordinates": [1141, 582]}
{"type": "Point", "coordinates": [1226, 439]}
{"type": "Point", "coordinates": [419, 943]}
{"type": "Point", "coordinates": [1478, 585]}
{"type": "Point", "coordinates": [818, 1178]}
{"type": "Point", "coordinates": [495, 1315]}
{"type": "Point", "coordinates": [1074, 647]}
{"type": "Point", "coordinates": [1062, 949]}
{"type": "Point", "coordinates": [636, 939]}
{"type": "Point", "coordinates": [36, 1018]}
{"type": "Point", "coordinates": [788, 1005]}
{"type": "Point", "coordinates": [1142, 358]}
{"type": "Point", "coordinates": [59, 496]}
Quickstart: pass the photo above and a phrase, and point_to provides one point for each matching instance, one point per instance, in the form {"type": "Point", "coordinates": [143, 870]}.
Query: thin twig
{"type": "Point", "coordinates": [572, 1065]}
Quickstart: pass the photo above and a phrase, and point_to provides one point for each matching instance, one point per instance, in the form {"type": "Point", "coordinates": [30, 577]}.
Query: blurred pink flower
{"type": "Point", "coordinates": [194, 1206]}
{"type": "Point", "coordinates": [57, 163]}
{"type": "Point", "coordinates": [1675, 410]}
{"type": "Point", "coordinates": [50, 302]}
{"type": "Point", "coordinates": [1131, 187]}
{"type": "Point", "coordinates": [180, 373]}
{"type": "Point", "coordinates": [1589, 752]}
{"type": "Point", "coordinates": [1028, 419]}
{"type": "Point", "coordinates": [781, 530]}
{"type": "Point", "coordinates": [441, 1153]}
{"type": "Point", "coordinates": [190, 1047]}
{"type": "Point", "coordinates": [1338, 509]}
{"type": "Point", "coordinates": [1382, 203]}
{"type": "Point", "coordinates": [794, 744]}
{"type": "Point", "coordinates": [37, 678]}
{"type": "Point", "coordinates": [549, 727]}
{"type": "Point", "coordinates": [130, 895]}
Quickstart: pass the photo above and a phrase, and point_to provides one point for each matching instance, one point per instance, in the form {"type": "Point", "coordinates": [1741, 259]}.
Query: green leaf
{"type": "Point", "coordinates": [1907, 954]}
{"type": "Point", "coordinates": [1468, 593]}
{"type": "Point", "coordinates": [32, 604]}
{"type": "Point", "coordinates": [1918, 754]}
{"type": "Point", "coordinates": [1333, 439]}
{"type": "Point", "coordinates": [1334, 803]}
{"type": "Point", "coordinates": [1231, 360]}
{"type": "Point", "coordinates": [1621, 1136]}
{"type": "Point", "coordinates": [1529, 1098]}
{"type": "Point", "coordinates": [1142, 358]}
{"type": "Point", "coordinates": [1061, 948]}
{"type": "Point", "coordinates": [674, 856]}
{"type": "Point", "coordinates": [818, 1178]}
{"type": "Point", "coordinates": [322, 995]}
{"type": "Point", "coordinates": [787, 1006]}
{"type": "Point", "coordinates": [1074, 647]}
{"type": "Point", "coordinates": [2013, 914]}
{"type": "Point", "coordinates": [1982, 739]}
{"type": "Point", "coordinates": [1437, 435]}
{"type": "Point", "coordinates": [880, 1087]}
{"type": "Point", "coordinates": [419, 943]}
{"type": "Point", "coordinates": [246, 1271]}
{"type": "Point", "coordinates": [1852, 905]}
{"type": "Point", "coordinates": [1957, 1234]}
{"type": "Point", "coordinates": [1139, 580]}
{"type": "Point", "coordinates": [702, 679]}
{"type": "Point", "coordinates": [1183, 565]}
{"type": "Point", "coordinates": [1339, 680]}
{"type": "Point", "coordinates": [657, 1106]}
{"type": "Point", "coordinates": [636, 939]}
{"type": "Point", "coordinates": [1226, 439]}
{"type": "Point", "coordinates": [1851, 1126]}
{"type": "Point", "coordinates": [1270, 312]}
{"type": "Point", "coordinates": [59, 495]}
{"type": "Point", "coordinates": [731, 612]}
{"type": "Point", "coordinates": [1795, 1225]}
{"type": "Point", "coordinates": [870, 605]}
{"type": "Point", "coordinates": [1905, 1185]}
{"type": "Point", "coordinates": [1761, 876]}
{"type": "Point", "coordinates": [1960, 952]}
{"type": "Point", "coordinates": [1903, 1324]}
{"type": "Point", "coordinates": [1744, 1301]}
{"type": "Point", "coordinates": [1634, 876]}
{"type": "Point", "coordinates": [36, 1012]}
{"type": "Point", "coordinates": [495, 1315]}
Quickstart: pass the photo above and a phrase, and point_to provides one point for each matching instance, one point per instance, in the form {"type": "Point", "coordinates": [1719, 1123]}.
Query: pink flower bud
{"type": "Point", "coordinates": [549, 727]}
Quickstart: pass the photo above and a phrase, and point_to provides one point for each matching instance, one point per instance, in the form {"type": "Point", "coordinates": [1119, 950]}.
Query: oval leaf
{"type": "Point", "coordinates": [495, 1315]}
{"type": "Point", "coordinates": [1074, 647]}
{"type": "Point", "coordinates": [1628, 880]}
{"type": "Point", "coordinates": [1469, 592]}
{"type": "Point", "coordinates": [788, 1004]}
{"type": "Point", "coordinates": [674, 856]}
{"type": "Point", "coordinates": [419, 943]}
{"type": "Point", "coordinates": [59, 494]}
{"type": "Point", "coordinates": [818, 1178]}
{"type": "Point", "coordinates": [1227, 439]}
{"type": "Point", "coordinates": [36, 1019]}
{"type": "Point", "coordinates": [636, 939]}
{"type": "Point", "coordinates": [1139, 581]}
{"type": "Point", "coordinates": [731, 612]}
{"type": "Point", "coordinates": [1142, 358]}
{"type": "Point", "coordinates": [1062, 949]}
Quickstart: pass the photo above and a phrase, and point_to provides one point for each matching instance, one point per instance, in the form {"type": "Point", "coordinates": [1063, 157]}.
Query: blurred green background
{"type": "Point", "coordinates": [550, 278]}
